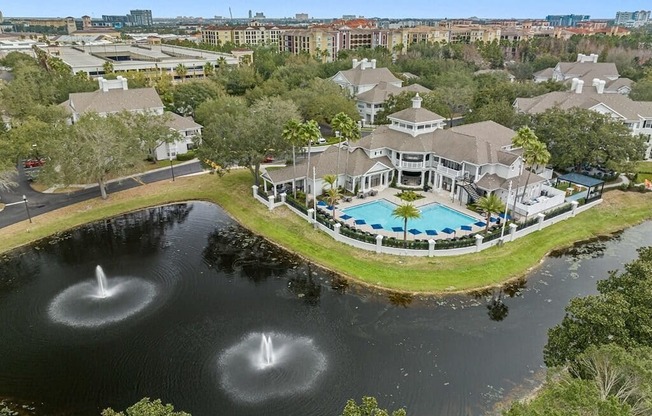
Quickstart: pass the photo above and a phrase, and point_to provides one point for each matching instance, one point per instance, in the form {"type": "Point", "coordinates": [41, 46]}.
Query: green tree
{"type": "Point", "coordinates": [292, 133]}
{"type": "Point", "coordinates": [244, 138]}
{"type": "Point", "coordinates": [181, 71]}
{"type": "Point", "coordinates": [642, 90]}
{"type": "Point", "coordinates": [309, 132]}
{"type": "Point", "coordinates": [490, 204]}
{"type": "Point", "coordinates": [406, 211]}
{"type": "Point", "coordinates": [535, 154]}
{"type": "Point", "coordinates": [209, 69]}
{"type": "Point", "coordinates": [620, 314]}
{"type": "Point", "coordinates": [187, 96]}
{"type": "Point", "coordinates": [368, 407]}
{"type": "Point", "coordinates": [321, 100]}
{"type": "Point", "coordinates": [348, 129]}
{"type": "Point", "coordinates": [579, 136]}
{"type": "Point", "coordinates": [333, 196]}
{"type": "Point", "coordinates": [95, 149]}
{"type": "Point", "coordinates": [146, 407]}
{"type": "Point", "coordinates": [107, 67]}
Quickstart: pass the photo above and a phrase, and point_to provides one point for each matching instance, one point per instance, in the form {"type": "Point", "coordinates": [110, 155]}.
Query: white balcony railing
{"type": "Point", "coordinates": [448, 171]}
{"type": "Point", "coordinates": [412, 165]}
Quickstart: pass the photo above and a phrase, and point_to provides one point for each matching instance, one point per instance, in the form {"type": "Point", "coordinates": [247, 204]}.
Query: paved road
{"type": "Point", "coordinates": [39, 203]}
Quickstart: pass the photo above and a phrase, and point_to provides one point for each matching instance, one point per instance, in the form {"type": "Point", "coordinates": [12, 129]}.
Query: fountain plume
{"type": "Point", "coordinates": [266, 351]}
{"type": "Point", "coordinates": [101, 282]}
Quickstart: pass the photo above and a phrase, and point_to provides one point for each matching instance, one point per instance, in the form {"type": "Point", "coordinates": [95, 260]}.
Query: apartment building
{"type": "Point", "coordinates": [254, 34]}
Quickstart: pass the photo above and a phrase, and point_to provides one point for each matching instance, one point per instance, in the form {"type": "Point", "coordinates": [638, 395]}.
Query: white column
{"type": "Point", "coordinates": [379, 243]}
{"type": "Point", "coordinates": [540, 216]}
{"type": "Point", "coordinates": [311, 215]}
{"type": "Point", "coordinates": [336, 228]}
{"type": "Point", "coordinates": [574, 204]}
{"type": "Point", "coordinates": [512, 231]}
{"type": "Point", "coordinates": [423, 178]}
{"type": "Point", "coordinates": [283, 196]}
{"type": "Point", "coordinates": [271, 202]}
{"type": "Point", "coordinates": [478, 242]}
{"type": "Point", "coordinates": [431, 248]}
{"type": "Point", "coordinates": [254, 189]}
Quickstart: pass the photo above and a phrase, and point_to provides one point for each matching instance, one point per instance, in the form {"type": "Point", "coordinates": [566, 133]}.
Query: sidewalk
{"type": "Point", "coordinates": [134, 176]}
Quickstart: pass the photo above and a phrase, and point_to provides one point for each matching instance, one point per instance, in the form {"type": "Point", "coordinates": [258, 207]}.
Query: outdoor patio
{"type": "Point", "coordinates": [430, 197]}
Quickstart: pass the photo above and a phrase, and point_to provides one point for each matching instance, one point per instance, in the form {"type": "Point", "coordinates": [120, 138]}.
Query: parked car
{"type": "Point", "coordinates": [320, 140]}
{"type": "Point", "coordinates": [268, 159]}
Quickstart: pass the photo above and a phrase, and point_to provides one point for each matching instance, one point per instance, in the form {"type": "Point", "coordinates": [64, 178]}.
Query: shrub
{"type": "Point", "coordinates": [181, 157]}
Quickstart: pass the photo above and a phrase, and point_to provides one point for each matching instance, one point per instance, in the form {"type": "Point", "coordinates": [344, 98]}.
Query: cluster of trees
{"type": "Point", "coordinates": [601, 350]}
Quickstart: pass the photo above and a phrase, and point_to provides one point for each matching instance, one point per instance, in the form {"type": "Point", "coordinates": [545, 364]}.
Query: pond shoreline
{"type": "Point", "coordinates": [493, 268]}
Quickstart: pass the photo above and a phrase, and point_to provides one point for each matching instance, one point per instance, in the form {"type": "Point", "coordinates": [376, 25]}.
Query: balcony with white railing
{"type": "Point", "coordinates": [412, 165]}
{"type": "Point", "coordinates": [448, 171]}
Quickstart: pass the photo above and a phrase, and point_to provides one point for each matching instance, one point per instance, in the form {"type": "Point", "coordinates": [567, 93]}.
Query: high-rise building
{"type": "Point", "coordinates": [567, 20]}
{"type": "Point", "coordinates": [250, 14]}
{"type": "Point", "coordinates": [141, 17]}
{"type": "Point", "coordinates": [633, 19]}
{"type": "Point", "coordinates": [301, 17]}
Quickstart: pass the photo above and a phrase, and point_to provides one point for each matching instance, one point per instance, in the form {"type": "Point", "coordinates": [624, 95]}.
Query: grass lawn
{"type": "Point", "coordinates": [423, 274]}
{"type": "Point", "coordinates": [644, 166]}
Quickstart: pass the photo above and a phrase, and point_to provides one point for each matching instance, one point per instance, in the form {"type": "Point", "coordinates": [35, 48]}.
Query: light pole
{"type": "Point", "coordinates": [171, 167]}
{"type": "Point", "coordinates": [509, 192]}
{"type": "Point", "coordinates": [27, 209]}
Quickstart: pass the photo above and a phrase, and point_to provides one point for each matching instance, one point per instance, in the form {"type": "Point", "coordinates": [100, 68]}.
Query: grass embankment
{"type": "Point", "coordinates": [437, 274]}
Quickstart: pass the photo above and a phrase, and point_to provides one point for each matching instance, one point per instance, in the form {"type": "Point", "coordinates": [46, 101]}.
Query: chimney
{"type": "Point", "coordinates": [373, 64]}
{"type": "Point", "coordinates": [355, 63]}
{"type": "Point", "coordinates": [596, 81]}
{"type": "Point", "coordinates": [574, 84]}
{"type": "Point", "coordinates": [416, 101]}
{"type": "Point", "coordinates": [593, 58]}
{"type": "Point", "coordinates": [601, 85]}
{"type": "Point", "coordinates": [580, 57]}
{"type": "Point", "coordinates": [580, 85]}
{"type": "Point", "coordinates": [103, 85]}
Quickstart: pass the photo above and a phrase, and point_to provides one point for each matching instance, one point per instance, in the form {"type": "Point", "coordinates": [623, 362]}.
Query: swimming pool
{"type": "Point", "coordinates": [433, 216]}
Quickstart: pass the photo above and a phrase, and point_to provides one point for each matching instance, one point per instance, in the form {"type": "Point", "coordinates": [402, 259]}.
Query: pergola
{"type": "Point", "coordinates": [594, 186]}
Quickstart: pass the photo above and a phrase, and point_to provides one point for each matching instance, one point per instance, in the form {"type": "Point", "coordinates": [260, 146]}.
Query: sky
{"type": "Point", "coordinates": [326, 8]}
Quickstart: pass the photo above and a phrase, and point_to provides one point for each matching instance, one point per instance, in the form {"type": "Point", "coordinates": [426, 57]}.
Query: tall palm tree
{"type": "Point", "coordinates": [292, 134]}
{"type": "Point", "coordinates": [309, 132]}
{"type": "Point", "coordinates": [524, 136]}
{"type": "Point", "coordinates": [332, 196]}
{"type": "Point", "coordinates": [330, 180]}
{"type": "Point", "coordinates": [181, 71]}
{"type": "Point", "coordinates": [490, 204]}
{"type": "Point", "coordinates": [407, 212]}
{"type": "Point", "coordinates": [107, 67]}
{"type": "Point", "coordinates": [350, 131]}
{"type": "Point", "coordinates": [535, 154]}
{"type": "Point", "coordinates": [209, 69]}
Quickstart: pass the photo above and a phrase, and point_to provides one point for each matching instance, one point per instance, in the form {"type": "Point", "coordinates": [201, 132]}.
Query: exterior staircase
{"type": "Point", "coordinates": [471, 190]}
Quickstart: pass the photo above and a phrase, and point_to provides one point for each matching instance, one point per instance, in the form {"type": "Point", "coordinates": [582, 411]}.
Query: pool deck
{"type": "Point", "coordinates": [432, 196]}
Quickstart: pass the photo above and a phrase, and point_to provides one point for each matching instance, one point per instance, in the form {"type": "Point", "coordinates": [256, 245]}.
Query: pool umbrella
{"type": "Point", "coordinates": [376, 226]}
{"type": "Point", "coordinates": [414, 231]}
{"type": "Point", "coordinates": [321, 204]}
{"type": "Point", "coordinates": [480, 224]}
{"type": "Point", "coordinates": [492, 219]}
{"type": "Point", "coordinates": [448, 230]}
{"type": "Point", "coordinates": [397, 229]}
{"type": "Point", "coordinates": [466, 227]}
{"type": "Point", "coordinates": [502, 215]}
{"type": "Point", "coordinates": [360, 222]}
{"type": "Point", "coordinates": [431, 232]}
{"type": "Point", "coordinates": [345, 217]}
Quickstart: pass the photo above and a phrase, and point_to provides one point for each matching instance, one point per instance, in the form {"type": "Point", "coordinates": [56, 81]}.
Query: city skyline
{"type": "Point", "coordinates": [332, 9]}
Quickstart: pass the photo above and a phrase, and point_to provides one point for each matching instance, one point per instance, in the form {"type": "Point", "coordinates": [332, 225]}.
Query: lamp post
{"type": "Point", "coordinates": [509, 192]}
{"type": "Point", "coordinates": [171, 167]}
{"type": "Point", "coordinates": [27, 209]}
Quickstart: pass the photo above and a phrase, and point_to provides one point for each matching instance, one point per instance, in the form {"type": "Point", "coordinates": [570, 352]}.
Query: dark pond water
{"type": "Point", "coordinates": [203, 293]}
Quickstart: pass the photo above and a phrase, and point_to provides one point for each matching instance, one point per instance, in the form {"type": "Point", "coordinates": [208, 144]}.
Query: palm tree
{"type": "Point", "coordinates": [308, 132]}
{"type": "Point", "coordinates": [490, 204]}
{"type": "Point", "coordinates": [292, 134]}
{"type": "Point", "coordinates": [332, 196]}
{"type": "Point", "coordinates": [209, 69]}
{"type": "Point", "coordinates": [331, 180]}
{"type": "Point", "coordinates": [181, 71]}
{"type": "Point", "coordinates": [406, 211]}
{"type": "Point", "coordinates": [341, 122]}
{"type": "Point", "coordinates": [535, 154]}
{"type": "Point", "coordinates": [107, 67]}
{"type": "Point", "coordinates": [524, 136]}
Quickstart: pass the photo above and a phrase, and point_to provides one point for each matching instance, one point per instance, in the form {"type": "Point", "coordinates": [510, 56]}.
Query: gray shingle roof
{"type": "Point", "coordinates": [383, 90]}
{"type": "Point", "coordinates": [114, 100]}
{"type": "Point", "coordinates": [589, 70]}
{"type": "Point", "coordinates": [623, 105]}
{"type": "Point", "coordinates": [325, 163]}
{"type": "Point", "coordinates": [357, 76]}
{"type": "Point", "coordinates": [450, 144]}
{"type": "Point", "coordinates": [179, 123]}
{"type": "Point", "coordinates": [416, 115]}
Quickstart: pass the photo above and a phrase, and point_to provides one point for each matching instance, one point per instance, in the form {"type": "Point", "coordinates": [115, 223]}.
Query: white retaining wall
{"type": "Point", "coordinates": [509, 235]}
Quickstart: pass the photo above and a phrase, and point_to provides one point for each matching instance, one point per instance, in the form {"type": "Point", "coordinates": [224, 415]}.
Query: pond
{"type": "Point", "coordinates": [201, 313]}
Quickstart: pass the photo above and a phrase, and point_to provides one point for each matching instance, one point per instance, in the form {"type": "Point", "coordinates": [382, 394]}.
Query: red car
{"type": "Point", "coordinates": [268, 158]}
{"type": "Point", "coordinates": [34, 163]}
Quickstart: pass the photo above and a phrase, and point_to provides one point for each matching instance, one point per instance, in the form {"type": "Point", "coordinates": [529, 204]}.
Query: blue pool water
{"type": "Point", "coordinates": [433, 216]}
